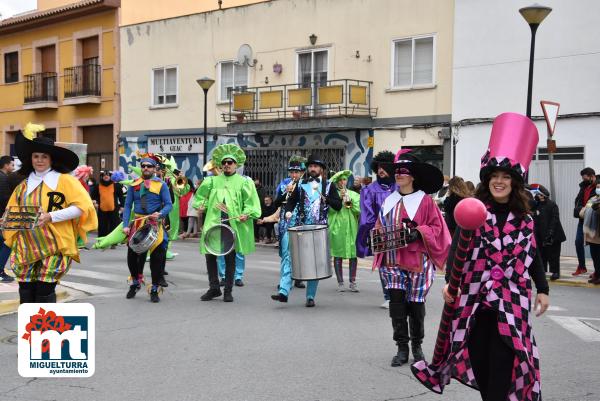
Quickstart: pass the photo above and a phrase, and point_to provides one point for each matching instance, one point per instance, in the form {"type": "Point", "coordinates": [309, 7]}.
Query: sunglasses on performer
{"type": "Point", "coordinates": [147, 166]}
{"type": "Point", "coordinates": [228, 162]}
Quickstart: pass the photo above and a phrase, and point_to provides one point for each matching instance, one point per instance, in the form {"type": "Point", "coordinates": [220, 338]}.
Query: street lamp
{"type": "Point", "coordinates": [205, 83]}
{"type": "Point", "coordinates": [534, 15]}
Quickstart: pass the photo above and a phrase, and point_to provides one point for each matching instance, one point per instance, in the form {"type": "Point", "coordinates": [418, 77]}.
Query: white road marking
{"type": "Point", "coordinates": [577, 325]}
{"type": "Point", "coordinates": [88, 288]}
{"type": "Point", "coordinates": [98, 275]}
{"type": "Point", "coordinates": [554, 308]}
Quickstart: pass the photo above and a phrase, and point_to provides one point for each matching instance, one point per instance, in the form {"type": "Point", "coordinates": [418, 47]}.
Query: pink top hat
{"type": "Point", "coordinates": [512, 145]}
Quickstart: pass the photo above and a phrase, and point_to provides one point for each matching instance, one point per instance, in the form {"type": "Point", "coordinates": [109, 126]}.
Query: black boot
{"type": "Point", "coordinates": [401, 356]}
{"type": "Point", "coordinates": [210, 294]}
{"type": "Point", "coordinates": [416, 313]}
{"type": "Point", "coordinates": [227, 297]}
{"type": "Point", "coordinates": [398, 313]}
{"type": "Point", "coordinates": [26, 294]}
{"type": "Point", "coordinates": [133, 289]}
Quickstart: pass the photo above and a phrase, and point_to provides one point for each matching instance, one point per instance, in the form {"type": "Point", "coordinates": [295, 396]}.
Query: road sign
{"type": "Point", "coordinates": [550, 110]}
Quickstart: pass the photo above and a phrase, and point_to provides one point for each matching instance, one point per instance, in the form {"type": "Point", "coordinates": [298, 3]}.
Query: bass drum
{"type": "Point", "coordinates": [309, 248]}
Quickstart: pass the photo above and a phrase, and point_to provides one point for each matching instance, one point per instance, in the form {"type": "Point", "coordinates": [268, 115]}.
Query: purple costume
{"type": "Point", "coordinates": [371, 199]}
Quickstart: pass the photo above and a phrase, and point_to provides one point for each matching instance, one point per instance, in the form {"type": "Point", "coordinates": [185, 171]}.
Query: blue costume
{"type": "Point", "coordinates": [147, 197]}
{"type": "Point", "coordinates": [307, 206]}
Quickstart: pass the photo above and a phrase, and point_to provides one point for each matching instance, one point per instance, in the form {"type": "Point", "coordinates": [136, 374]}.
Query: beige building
{"type": "Point", "coordinates": [343, 78]}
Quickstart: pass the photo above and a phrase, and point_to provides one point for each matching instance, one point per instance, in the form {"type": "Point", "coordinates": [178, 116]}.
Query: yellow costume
{"type": "Point", "coordinates": [45, 253]}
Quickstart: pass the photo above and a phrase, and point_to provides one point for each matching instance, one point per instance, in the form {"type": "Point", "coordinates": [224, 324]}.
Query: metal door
{"type": "Point", "coordinates": [568, 162]}
{"type": "Point", "coordinates": [270, 164]}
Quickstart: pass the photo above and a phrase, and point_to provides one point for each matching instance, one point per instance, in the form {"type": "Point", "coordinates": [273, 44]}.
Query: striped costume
{"type": "Point", "coordinates": [412, 268]}
{"type": "Point", "coordinates": [45, 253]}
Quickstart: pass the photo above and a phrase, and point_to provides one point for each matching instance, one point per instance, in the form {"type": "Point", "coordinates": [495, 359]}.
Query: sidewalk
{"type": "Point", "coordinates": [9, 297]}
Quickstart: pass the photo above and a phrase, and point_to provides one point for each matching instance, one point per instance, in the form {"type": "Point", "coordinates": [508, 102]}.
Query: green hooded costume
{"type": "Point", "coordinates": [239, 195]}
{"type": "Point", "coordinates": [343, 224]}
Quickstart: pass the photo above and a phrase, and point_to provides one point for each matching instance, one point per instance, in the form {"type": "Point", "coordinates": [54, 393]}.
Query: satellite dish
{"type": "Point", "coordinates": [244, 56]}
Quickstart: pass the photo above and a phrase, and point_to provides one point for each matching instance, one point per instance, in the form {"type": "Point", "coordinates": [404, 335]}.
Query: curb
{"type": "Point", "coordinates": [567, 283]}
{"type": "Point", "coordinates": [12, 305]}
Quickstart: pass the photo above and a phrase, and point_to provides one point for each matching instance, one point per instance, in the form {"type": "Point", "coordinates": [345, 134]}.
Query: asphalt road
{"type": "Point", "coordinates": [258, 349]}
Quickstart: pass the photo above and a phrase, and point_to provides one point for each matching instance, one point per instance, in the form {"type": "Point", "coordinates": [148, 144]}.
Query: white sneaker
{"type": "Point", "coordinates": [385, 305]}
{"type": "Point", "coordinates": [341, 287]}
{"type": "Point", "coordinates": [353, 287]}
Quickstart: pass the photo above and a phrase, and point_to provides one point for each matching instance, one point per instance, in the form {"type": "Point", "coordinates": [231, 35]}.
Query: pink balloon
{"type": "Point", "coordinates": [470, 213]}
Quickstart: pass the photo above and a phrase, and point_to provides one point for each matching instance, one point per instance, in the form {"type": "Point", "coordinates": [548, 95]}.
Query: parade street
{"type": "Point", "coordinates": [258, 349]}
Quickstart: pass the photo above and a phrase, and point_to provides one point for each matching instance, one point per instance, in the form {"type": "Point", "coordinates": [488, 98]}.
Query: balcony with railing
{"type": "Point", "coordinates": [83, 84]}
{"type": "Point", "coordinates": [41, 91]}
{"type": "Point", "coordinates": [341, 98]}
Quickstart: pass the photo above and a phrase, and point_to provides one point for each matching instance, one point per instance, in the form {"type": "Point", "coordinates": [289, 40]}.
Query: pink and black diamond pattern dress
{"type": "Point", "coordinates": [495, 277]}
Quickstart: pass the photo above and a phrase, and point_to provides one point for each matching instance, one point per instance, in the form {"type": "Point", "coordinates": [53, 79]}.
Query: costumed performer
{"type": "Point", "coordinates": [491, 346]}
{"type": "Point", "coordinates": [227, 196]}
{"type": "Point", "coordinates": [371, 199]}
{"type": "Point", "coordinates": [43, 255]}
{"type": "Point", "coordinates": [409, 271]}
{"type": "Point", "coordinates": [343, 227]}
{"type": "Point", "coordinates": [296, 169]}
{"type": "Point", "coordinates": [109, 200]}
{"type": "Point", "coordinates": [312, 198]}
{"type": "Point", "coordinates": [149, 198]}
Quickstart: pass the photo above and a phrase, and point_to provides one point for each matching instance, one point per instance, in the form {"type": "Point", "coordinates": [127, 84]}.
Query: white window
{"type": "Point", "coordinates": [413, 62]}
{"type": "Point", "coordinates": [312, 67]}
{"type": "Point", "coordinates": [164, 84]}
{"type": "Point", "coordinates": [232, 76]}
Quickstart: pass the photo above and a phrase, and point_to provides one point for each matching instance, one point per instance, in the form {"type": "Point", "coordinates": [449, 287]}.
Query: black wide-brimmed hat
{"type": "Point", "coordinates": [315, 159]}
{"type": "Point", "coordinates": [25, 147]}
{"type": "Point", "coordinates": [428, 178]}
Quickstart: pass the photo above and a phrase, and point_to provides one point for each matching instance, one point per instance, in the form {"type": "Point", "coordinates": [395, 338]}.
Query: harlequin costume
{"type": "Point", "coordinates": [343, 227]}
{"type": "Point", "coordinates": [43, 255]}
{"type": "Point", "coordinates": [240, 197]}
{"type": "Point", "coordinates": [492, 324]}
{"type": "Point", "coordinates": [147, 196]}
{"type": "Point", "coordinates": [371, 199]}
{"type": "Point", "coordinates": [409, 272]}
{"type": "Point", "coordinates": [309, 204]}
{"type": "Point", "coordinates": [296, 163]}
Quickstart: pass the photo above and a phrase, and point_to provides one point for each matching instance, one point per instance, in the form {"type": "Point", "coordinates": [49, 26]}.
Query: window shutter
{"type": "Point", "coordinates": [423, 61]}
{"type": "Point", "coordinates": [226, 80]}
{"type": "Point", "coordinates": [171, 86]}
{"type": "Point", "coordinates": [402, 63]}
{"type": "Point", "coordinates": [159, 86]}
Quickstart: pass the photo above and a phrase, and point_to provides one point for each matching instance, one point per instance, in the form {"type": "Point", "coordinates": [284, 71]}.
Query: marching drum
{"type": "Point", "coordinates": [309, 248]}
{"type": "Point", "coordinates": [388, 238]}
{"type": "Point", "coordinates": [143, 238]}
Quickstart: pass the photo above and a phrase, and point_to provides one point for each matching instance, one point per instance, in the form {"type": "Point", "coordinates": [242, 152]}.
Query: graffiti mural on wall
{"type": "Point", "coordinates": [358, 153]}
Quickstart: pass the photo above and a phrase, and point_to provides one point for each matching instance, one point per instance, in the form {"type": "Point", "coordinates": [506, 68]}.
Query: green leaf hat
{"type": "Point", "coordinates": [341, 175]}
{"type": "Point", "coordinates": [228, 151]}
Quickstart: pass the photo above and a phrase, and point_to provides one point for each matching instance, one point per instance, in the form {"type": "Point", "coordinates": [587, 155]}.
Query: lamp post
{"type": "Point", "coordinates": [205, 83]}
{"type": "Point", "coordinates": [534, 15]}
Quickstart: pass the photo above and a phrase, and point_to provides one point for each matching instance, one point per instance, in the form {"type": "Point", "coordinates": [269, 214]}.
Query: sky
{"type": "Point", "coordinates": [8, 8]}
